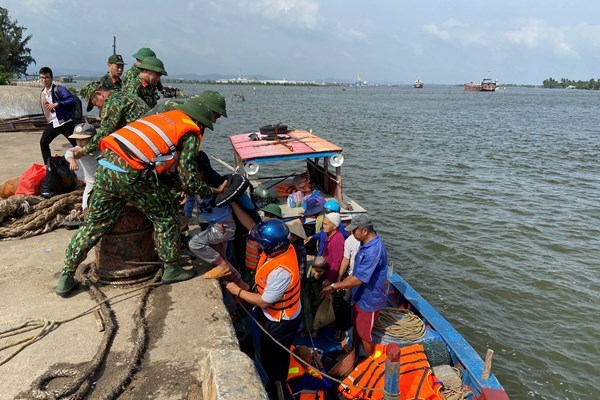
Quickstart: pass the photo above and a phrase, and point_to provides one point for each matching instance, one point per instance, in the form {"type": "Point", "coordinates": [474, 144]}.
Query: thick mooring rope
{"type": "Point", "coordinates": [43, 215]}
{"type": "Point", "coordinates": [81, 378]}
{"type": "Point", "coordinates": [400, 324]}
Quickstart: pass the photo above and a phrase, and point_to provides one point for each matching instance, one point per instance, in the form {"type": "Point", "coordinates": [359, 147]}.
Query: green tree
{"type": "Point", "coordinates": [15, 56]}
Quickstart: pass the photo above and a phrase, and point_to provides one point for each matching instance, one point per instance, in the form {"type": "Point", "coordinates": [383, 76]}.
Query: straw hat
{"type": "Point", "coordinates": [295, 227]}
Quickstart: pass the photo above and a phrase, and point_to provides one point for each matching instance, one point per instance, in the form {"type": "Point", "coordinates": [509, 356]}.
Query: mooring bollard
{"type": "Point", "coordinates": [392, 373]}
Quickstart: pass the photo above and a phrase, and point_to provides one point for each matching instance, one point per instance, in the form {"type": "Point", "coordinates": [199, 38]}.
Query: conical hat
{"type": "Point", "coordinates": [295, 227]}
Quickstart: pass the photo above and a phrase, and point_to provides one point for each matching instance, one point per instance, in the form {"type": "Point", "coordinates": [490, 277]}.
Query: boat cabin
{"type": "Point", "coordinates": [272, 161]}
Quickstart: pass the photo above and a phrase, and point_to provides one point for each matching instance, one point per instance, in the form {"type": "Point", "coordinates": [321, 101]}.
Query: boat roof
{"type": "Point", "coordinates": [294, 145]}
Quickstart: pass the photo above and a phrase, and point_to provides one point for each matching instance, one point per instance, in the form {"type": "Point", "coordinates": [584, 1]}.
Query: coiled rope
{"type": "Point", "coordinates": [81, 378]}
{"type": "Point", "coordinates": [400, 324]}
{"type": "Point", "coordinates": [35, 215]}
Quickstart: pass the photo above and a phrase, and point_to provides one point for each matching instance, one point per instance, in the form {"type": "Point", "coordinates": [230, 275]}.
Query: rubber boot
{"type": "Point", "coordinates": [176, 274]}
{"type": "Point", "coordinates": [66, 282]}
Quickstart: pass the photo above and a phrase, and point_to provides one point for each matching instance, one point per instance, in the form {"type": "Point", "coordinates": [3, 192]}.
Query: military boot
{"type": "Point", "coordinates": [66, 282]}
{"type": "Point", "coordinates": [176, 274]}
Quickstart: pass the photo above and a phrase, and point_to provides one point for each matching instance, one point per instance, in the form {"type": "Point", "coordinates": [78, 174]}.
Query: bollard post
{"type": "Point", "coordinates": [487, 366]}
{"type": "Point", "coordinates": [392, 373]}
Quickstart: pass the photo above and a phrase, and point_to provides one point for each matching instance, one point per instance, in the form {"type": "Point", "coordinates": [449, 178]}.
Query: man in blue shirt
{"type": "Point", "coordinates": [368, 283]}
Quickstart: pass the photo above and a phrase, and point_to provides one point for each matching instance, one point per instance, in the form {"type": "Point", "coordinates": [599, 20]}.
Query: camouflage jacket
{"type": "Point", "coordinates": [188, 168]}
{"type": "Point", "coordinates": [106, 81]}
{"type": "Point", "coordinates": [119, 110]}
{"type": "Point", "coordinates": [131, 74]}
{"type": "Point", "coordinates": [142, 89]}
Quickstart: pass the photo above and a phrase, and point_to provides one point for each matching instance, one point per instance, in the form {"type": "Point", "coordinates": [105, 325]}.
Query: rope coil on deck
{"type": "Point", "coordinates": [400, 324]}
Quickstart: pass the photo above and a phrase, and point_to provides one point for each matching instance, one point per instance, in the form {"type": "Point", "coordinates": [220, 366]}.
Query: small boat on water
{"type": "Point", "coordinates": [418, 84]}
{"type": "Point", "coordinates": [486, 85]}
{"type": "Point", "coordinates": [450, 364]}
{"type": "Point", "coordinates": [172, 92]}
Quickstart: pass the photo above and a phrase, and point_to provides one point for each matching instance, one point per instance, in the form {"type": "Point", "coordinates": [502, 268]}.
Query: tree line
{"type": "Point", "coordinates": [15, 56]}
{"type": "Point", "coordinates": [592, 84]}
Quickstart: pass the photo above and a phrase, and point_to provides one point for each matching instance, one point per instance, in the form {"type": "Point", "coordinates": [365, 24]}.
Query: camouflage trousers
{"type": "Point", "coordinates": [112, 190]}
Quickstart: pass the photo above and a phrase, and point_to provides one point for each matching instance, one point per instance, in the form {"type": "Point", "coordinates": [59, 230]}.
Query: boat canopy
{"type": "Point", "coordinates": [293, 145]}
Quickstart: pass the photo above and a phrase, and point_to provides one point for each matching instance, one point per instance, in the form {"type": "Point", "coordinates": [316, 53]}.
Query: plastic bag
{"type": "Point", "coordinates": [31, 180]}
{"type": "Point", "coordinates": [59, 178]}
{"type": "Point", "coordinates": [9, 187]}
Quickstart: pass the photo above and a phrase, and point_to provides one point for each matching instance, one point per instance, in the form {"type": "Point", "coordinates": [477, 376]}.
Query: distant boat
{"type": "Point", "coordinates": [172, 92]}
{"type": "Point", "coordinates": [418, 84]}
{"type": "Point", "coordinates": [486, 85]}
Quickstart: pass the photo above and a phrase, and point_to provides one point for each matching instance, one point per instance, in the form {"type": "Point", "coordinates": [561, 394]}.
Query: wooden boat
{"type": "Point", "coordinates": [299, 150]}
{"type": "Point", "coordinates": [472, 86]}
{"type": "Point", "coordinates": [489, 85]}
{"type": "Point", "coordinates": [418, 84]}
{"type": "Point", "coordinates": [172, 92]}
{"type": "Point", "coordinates": [486, 85]}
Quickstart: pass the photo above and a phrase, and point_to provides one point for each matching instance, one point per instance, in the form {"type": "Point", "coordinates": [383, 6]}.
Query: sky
{"type": "Point", "coordinates": [384, 41]}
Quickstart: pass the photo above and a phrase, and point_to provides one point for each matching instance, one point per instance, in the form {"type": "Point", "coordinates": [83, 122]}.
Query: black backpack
{"type": "Point", "coordinates": [77, 110]}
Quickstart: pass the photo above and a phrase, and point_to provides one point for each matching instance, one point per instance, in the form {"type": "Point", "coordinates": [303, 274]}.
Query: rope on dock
{"type": "Point", "coordinates": [35, 215]}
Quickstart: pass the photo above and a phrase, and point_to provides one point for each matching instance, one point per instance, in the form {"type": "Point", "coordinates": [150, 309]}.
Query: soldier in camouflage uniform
{"type": "Point", "coordinates": [112, 79]}
{"type": "Point", "coordinates": [117, 183]}
{"type": "Point", "coordinates": [134, 72]}
{"type": "Point", "coordinates": [144, 86]}
{"type": "Point", "coordinates": [117, 109]}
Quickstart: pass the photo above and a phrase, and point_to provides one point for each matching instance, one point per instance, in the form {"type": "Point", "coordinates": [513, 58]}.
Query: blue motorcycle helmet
{"type": "Point", "coordinates": [273, 235]}
{"type": "Point", "coordinates": [331, 206]}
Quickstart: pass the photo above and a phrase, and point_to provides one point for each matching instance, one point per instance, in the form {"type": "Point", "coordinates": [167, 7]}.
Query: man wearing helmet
{"type": "Point", "coordinates": [278, 285]}
{"type": "Point", "coordinates": [131, 162]}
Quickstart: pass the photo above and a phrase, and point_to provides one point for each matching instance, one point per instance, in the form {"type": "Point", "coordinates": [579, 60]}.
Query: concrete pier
{"type": "Point", "coordinates": [192, 351]}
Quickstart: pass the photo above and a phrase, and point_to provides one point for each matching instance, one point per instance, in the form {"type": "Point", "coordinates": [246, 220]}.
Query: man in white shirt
{"type": "Point", "coordinates": [57, 104]}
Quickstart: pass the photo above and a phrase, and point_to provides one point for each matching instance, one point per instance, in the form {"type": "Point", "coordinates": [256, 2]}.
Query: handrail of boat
{"type": "Point", "coordinates": [465, 353]}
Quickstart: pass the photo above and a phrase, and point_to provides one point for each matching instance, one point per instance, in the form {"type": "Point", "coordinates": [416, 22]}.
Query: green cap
{"type": "Point", "coordinates": [272, 209]}
{"type": "Point", "coordinates": [152, 63]}
{"type": "Point", "coordinates": [215, 101]}
{"type": "Point", "coordinates": [143, 53]}
{"type": "Point", "coordinates": [116, 59]}
{"type": "Point", "coordinates": [197, 110]}
{"type": "Point", "coordinates": [88, 90]}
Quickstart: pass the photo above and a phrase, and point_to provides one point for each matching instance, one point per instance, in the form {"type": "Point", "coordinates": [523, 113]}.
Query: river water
{"type": "Point", "coordinates": [488, 203]}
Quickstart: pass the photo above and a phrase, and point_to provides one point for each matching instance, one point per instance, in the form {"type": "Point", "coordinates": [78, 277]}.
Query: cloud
{"type": "Point", "coordinates": [455, 31]}
{"type": "Point", "coordinates": [535, 33]}
{"type": "Point", "coordinates": [300, 13]}
{"type": "Point", "coordinates": [349, 34]}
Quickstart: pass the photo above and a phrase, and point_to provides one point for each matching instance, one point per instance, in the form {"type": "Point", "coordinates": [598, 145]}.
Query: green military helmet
{"type": "Point", "coordinates": [197, 110]}
{"type": "Point", "coordinates": [215, 101]}
{"type": "Point", "coordinates": [88, 91]}
{"type": "Point", "coordinates": [152, 63]}
{"type": "Point", "coordinates": [143, 53]}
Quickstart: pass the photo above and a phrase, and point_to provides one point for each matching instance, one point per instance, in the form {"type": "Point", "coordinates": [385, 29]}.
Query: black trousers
{"type": "Point", "coordinates": [50, 133]}
{"type": "Point", "coordinates": [274, 359]}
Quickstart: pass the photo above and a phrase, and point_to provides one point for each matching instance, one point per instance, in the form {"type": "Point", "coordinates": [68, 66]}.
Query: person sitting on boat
{"type": "Point", "coordinates": [311, 292]}
{"type": "Point", "coordinates": [277, 282]}
{"type": "Point", "coordinates": [307, 382]}
{"type": "Point", "coordinates": [303, 184]}
{"type": "Point", "coordinates": [272, 211]}
{"type": "Point", "coordinates": [368, 282]}
{"type": "Point", "coordinates": [333, 244]}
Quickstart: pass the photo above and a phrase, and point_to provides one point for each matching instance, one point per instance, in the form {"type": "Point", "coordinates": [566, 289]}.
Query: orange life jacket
{"type": "Point", "coordinates": [141, 141]}
{"type": "Point", "coordinates": [296, 370]}
{"type": "Point", "coordinates": [252, 254]}
{"type": "Point", "coordinates": [289, 303]}
{"type": "Point", "coordinates": [416, 381]}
